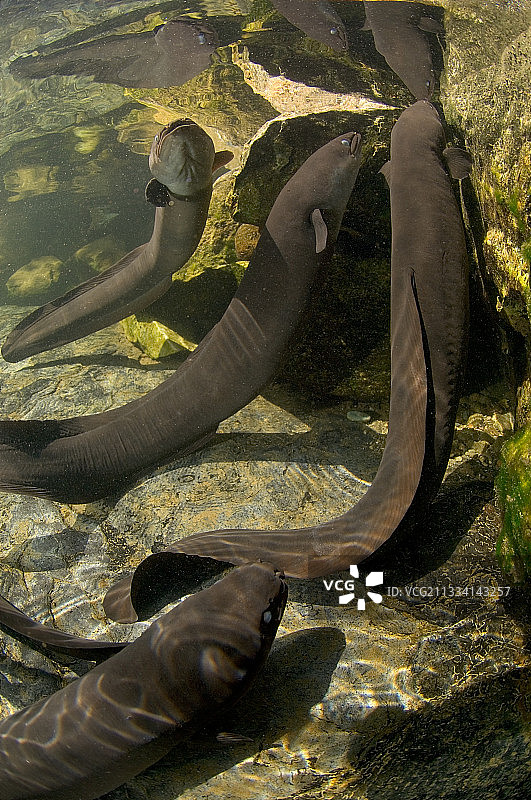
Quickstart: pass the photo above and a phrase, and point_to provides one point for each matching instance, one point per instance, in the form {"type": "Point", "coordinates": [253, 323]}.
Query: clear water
{"type": "Point", "coordinates": [343, 684]}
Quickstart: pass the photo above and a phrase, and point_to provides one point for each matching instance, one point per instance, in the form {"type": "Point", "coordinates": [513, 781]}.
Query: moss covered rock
{"type": "Point", "coordinates": [37, 276]}
{"type": "Point", "coordinates": [513, 485]}
{"type": "Point", "coordinates": [219, 98]}
{"type": "Point", "coordinates": [154, 338]}
{"type": "Point", "coordinates": [486, 97]}
{"type": "Point", "coordinates": [101, 253]}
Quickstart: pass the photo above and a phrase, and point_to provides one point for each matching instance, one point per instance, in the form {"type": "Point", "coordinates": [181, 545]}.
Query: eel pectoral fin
{"type": "Point", "coordinates": [221, 157]}
{"type": "Point", "coordinates": [386, 172]}
{"type": "Point", "coordinates": [430, 25]}
{"type": "Point", "coordinates": [157, 194]}
{"type": "Point", "coordinates": [459, 162]}
{"type": "Point", "coordinates": [321, 231]}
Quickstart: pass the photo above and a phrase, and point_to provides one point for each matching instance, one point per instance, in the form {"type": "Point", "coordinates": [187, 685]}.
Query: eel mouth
{"type": "Point", "coordinates": [169, 130]}
{"type": "Point", "coordinates": [355, 144]}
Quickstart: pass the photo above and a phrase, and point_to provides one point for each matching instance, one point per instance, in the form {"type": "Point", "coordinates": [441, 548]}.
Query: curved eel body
{"type": "Point", "coordinates": [125, 714]}
{"type": "Point", "coordinates": [83, 459]}
{"type": "Point", "coordinates": [429, 318]}
{"type": "Point", "coordinates": [183, 155]}
{"type": "Point", "coordinates": [399, 29]}
{"type": "Point", "coordinates": [317, 19]}
{"type": "Point", "coordinates": [170, 55]}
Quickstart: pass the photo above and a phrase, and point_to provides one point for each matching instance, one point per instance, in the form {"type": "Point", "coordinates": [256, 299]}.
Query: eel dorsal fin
{"type": "Point", "coordinates": [321, 231]}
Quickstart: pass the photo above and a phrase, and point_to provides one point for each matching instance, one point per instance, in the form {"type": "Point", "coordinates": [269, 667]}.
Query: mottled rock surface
{"type": "Point", "coordinates": [513, 485]}
{"type": "Point", "coordinates": [35, 278]}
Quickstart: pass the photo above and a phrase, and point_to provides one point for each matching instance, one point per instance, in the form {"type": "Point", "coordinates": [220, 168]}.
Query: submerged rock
{"type": "Point", "coordinates": [36, 277]}
{"type": "Point", "coordinates": [100, 254]}
{"type": "Point", "coordinates": [31, 181]}
{"type": "Point", "coordinates": [485, 96]}
{"type": "Point", "coordinates": [154, 338]}
{"type": "Point", "coordinates": [218, 98]}
{"type": "Point", "coordinates": [245, 240]}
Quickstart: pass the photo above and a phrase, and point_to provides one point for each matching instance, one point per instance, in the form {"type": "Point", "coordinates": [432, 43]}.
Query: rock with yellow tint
{"type": "Point", "coordinates": [485, 96]}
{"type": "Point", "coordinates": [513, 485]}
{"type": "Point", "coordinates": [35, 277]}
{"type": "Point", "coordinates": [101, 254]}
{"type": "Point", "coordinates": [88, 136]}
{"type": "Point", "coordinates": [30, 181]}
{"type": "Point", "coordinates": [245, 240]}
{"type": "Point", "coordinates": [154, 338]}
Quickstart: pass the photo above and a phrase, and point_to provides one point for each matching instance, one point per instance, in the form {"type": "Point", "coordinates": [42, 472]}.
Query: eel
{"type": "Point", "coordinates": [429, 331]}
{"type": "Point", "coordinates": [169, 55]}
{"type": "Point", "coordinates": [125, 714]}
{"type": "Point", "coordinates": [40, 637]}
{"type": "Point", "coordinates": [399, 29]}
{"type": "Point", "coordinates": [317, 19]}
{"type": "Point", "coordinates": [182, 160]}
{"type": "Point", "coordinates": [82, 459]}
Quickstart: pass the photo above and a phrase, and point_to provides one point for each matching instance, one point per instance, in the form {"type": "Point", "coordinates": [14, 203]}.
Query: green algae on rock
{"type": "Point", "coordinates": [217, 97]}
{"type": "Point", "coordinates": [485, 97]}
{"type": "Point", "coordinates": [513, 485]}
{"type": "Point", "coordinates": [37, 276]}
{"type": "Point", "coordinates": [154, 338]}
{"type": "Point", "coordinates": [101, 253]}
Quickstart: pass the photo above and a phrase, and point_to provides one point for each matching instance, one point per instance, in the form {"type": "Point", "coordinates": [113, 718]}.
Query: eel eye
{"type": "Point", "coordinates": [333, 31]}
{"type": "Point", "coordinates": [345, 141]}
{"type": "Point", "coordinates": [267, 617]}
{"type": "Point", "coordinates": [202, 38]}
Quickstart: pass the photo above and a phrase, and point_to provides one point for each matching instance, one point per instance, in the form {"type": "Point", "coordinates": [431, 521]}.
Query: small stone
{"type": "Point", "coordinates": [245, 240]}
{"type": "Point", "coordinates": [35, 277]}
{"type": "Point", "coordinates": [101, 254]}
{"type": "Point", "coordinates": [154, 338]}
{"type": "Point", "coordinates": [358, 416]}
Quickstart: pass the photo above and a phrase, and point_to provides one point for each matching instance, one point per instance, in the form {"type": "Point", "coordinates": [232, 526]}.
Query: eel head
{"type": "Point", "coordinates": [182, 157]}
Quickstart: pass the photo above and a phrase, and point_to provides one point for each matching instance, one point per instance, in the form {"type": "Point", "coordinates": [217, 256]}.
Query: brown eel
{"type": "Point", "coordinates": [399, 31]}
{"type": "Point", "coordinates": [82, 459]}
{"type": "Point", "coordinates": [317, 19]}
{"type": "Point", "coordinates": [125, 714]}
{"type": "Point", "coordinates": [46, 640]}
{"type": "Point", "coordinates": [170, 55]}
{"type": "Point", "coordinates": [182, 160]}
{"type": "Point", "coordinates": [429, 326]}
